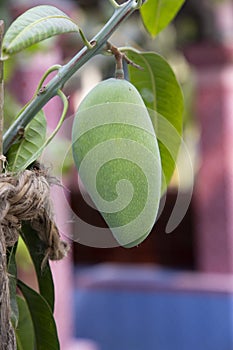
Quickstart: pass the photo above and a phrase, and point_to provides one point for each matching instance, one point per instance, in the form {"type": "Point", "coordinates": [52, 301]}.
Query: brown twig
{"type": "Point", "coordinates": [2, 158]}
{"type": "Point", "coordinates": [120, 56]}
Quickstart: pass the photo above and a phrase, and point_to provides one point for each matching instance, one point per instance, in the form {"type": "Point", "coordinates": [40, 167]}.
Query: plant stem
{"type": "Point", "coordinates": [119, 71]}
{"type": "Point", "coordinates": [7, 335]}
{"type": "Point", "coordinates": [1, 98]}
{"type": "Point", "coordinates": [114, 4]}
{"type": "Point", "coordinates": [65, 72]}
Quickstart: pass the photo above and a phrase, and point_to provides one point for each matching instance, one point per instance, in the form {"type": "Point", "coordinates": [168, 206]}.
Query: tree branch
{"type": "Point", "coordinates": [65, 72]}
{"type": "Point", "coordinates": [1, 98]}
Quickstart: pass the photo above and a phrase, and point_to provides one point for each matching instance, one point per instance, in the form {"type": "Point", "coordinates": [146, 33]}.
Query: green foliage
{"type": "Point", "coordinates": [33, 137]}
{"type": "Point", "coordinates": [22, 256]}
{"type": "Point", "coordinates": [44, 277]}
{"type": "Point", "coordinates": [25, 336]}
{"type": "Point", "coordinates": [157, 14]}
{"type": "Point", "coordinates": [40, 149]}
{"type": "Point", "coordinates": [163, 97]}
{"type": "Point", "coordinates": [34, 25]}
{"type": "Point", "coordinates": [32, 143]}
{"type": "Point", "coordinates": [42, 319]}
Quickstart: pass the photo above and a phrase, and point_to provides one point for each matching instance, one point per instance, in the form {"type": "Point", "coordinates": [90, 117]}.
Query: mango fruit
{"type": "Point", "coordinates": [116, 152]}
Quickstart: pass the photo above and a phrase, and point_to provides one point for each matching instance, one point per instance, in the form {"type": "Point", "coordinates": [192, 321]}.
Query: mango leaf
{"type": "Point", "coordinates": [32, 139]}
{"type": "Point", "coordinates": [12, 271]}
{"type": "Point", "coordinates": [35, 25]}
{"type": "Point", "coordinates": [163, 97]}
{"type": "Point", "coordinates": [42, 319]}
{"type": "Point", "coordinates": [38, 152]}
{"type": "Point", "coordinates": [44, 277]}
{"type": "Point", "coordinates": [24, 332]}
{"type": "Point", "coordinates": [157, 14]}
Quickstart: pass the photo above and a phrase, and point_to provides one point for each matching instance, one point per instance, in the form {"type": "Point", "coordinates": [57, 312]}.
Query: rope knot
{"type": "Point", "coordinates": [26, 197]}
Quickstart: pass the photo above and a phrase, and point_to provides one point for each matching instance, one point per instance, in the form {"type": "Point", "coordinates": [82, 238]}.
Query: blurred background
{"type": "Point", "coordinates": [174, 291]}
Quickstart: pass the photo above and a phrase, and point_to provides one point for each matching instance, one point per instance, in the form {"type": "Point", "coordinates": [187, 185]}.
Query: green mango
{"type": "Point", "coordinates": [116, 152]}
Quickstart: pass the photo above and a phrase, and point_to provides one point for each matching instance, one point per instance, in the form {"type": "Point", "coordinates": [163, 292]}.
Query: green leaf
{"type": "Point", "coordinates": [157, 14]}
{"type": "Point", "coordinates": [42, 318]}
{"type": "Point", "coordinates": [12, 271]}
{"type": "Point", "coordinates": [23, 258]}
{"type": "Point", "coordinates": [24, 332]}
{"type": "Point", "coordinates": [163, 97]}
{"type": "Point", "coordinates": [40, 149]}
{"type": "Point", "coordinates": [36, 248]}
{"type": "Point", "coordinates": [35, 25]}
{"type": "Point", "coordinates": [32, 139]}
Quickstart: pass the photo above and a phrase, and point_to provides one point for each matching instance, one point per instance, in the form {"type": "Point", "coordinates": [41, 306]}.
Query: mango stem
{"type": "Point", "coordinates": [119, 57]}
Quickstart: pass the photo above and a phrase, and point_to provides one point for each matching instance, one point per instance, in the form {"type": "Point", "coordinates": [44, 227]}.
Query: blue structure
{"type": "Point", "coordinates": [144, 308]}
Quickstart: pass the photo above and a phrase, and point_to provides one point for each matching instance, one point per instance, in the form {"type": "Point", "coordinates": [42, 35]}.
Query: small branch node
{"type": "Point", "coordinates": [120, 56]}
{"type": "Point", "coordinates": [114, 4]}
{"type": "Point", "coordinates": [3, 161]}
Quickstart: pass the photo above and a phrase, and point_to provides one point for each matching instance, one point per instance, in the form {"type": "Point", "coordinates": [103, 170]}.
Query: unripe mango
{"type": "Point", "coordinates": [116, 152]}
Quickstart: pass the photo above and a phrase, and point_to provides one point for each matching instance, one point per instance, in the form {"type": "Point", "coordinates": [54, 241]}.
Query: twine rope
{"type": "Point", "coordinates": [26, 197]}
{"type": "Point", "coordinates": [7, 335]}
